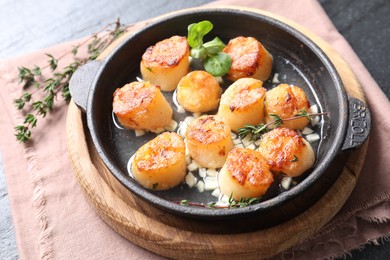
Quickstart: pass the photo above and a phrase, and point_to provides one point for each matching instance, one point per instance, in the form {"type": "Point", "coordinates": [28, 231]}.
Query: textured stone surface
{"type": "Point", "coordinates": [366, 26]}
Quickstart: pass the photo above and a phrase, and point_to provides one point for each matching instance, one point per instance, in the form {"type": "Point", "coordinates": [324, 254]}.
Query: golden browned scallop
{"type": "Point", "coordinates": [243, 103]}
{"type": "Point", "coordinates": [249, 59]}
{"type": "Point", "coordinates": [160, 163]}
{"type": "Point", "coordinates": [198, 91]}
{"type": "Point", "coordinates": [286, 101]}
{"type": "Point", "coordinates": [166, 62]}
{"type": "Point", "coordinates": [209, 141]}
{"type": "Point", "coordinates": [141, 105]}
{"type": "Point", "coordinates": [245, 174]}
{"type": "Point", "coordinates": [286, 151]}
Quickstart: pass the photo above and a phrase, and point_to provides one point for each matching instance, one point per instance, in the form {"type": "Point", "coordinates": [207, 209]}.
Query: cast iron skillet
{"type": "Point", "coordinates": [297, 60]}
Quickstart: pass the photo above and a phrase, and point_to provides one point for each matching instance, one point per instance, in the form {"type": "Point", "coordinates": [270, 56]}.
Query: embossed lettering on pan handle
{"type": "Point", "coordinates": [81, 83]}
{"type": "Point", "coordinates": [359, 124]}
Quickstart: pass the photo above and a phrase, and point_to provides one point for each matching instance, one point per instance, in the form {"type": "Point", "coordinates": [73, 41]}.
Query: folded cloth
{"type": "Point", "coordinates": [52, 218]}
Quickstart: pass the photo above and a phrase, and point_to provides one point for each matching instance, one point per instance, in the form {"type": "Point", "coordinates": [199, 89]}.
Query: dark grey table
{"type": "Point", "coordinates": [30, 25]}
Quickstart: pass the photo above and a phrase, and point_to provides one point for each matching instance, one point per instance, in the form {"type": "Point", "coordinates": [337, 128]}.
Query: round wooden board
{"type": "Point", "coordinates": [176, 237]}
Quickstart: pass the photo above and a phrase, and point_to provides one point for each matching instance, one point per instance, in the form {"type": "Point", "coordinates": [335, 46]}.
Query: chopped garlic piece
{"type": "Point", "coordinates": [188, 120]}
{"type": "Point", "coordinates": [193, 166]}
{"type": "Point", "coordinates": [216, 193]}
{"type": "Point", "coordinates": [210, 183]}
{"type": "Point", "coordinates": [158, 130]}
{"type": "Point", "coordinates": [202, 172]}
{"type": "Point", "coordinates": [251, 146]}
{"type": "Point", "coordinates": [312, 137]}
{"type": "Point", "coordinates": [139, 133]}
{"type": "Point", "coordinates": [307, 131]}
{"type": "Point", "coordinates": [224, 198]}
{"type": "Point", "coordinates": [211, 172]}
{"type": "Point", "coordinates": [314, 109]}
{"type": "Point", "coordinates": [286, 182]}
{"type": "Point", "coordinates": [315, 120]}
{"type": "Point", "coordinates": [239, 145]}
{"type": "Point", "coordinates": [247, 140]}
{"type": "Point", "coordinates": [200, 186]}
{"type": "Point", "coordinates": [222, 204]}
{"type": "Point", "coordinates": [171, 126]}
{"type": "Point", "coordinates": [191, 180]}
{"type": "Point", "coordinates": [275, 79]}
{"type": "Point", "coordinates": [237, 141]}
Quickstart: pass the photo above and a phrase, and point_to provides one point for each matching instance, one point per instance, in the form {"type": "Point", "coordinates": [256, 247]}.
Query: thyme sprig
{"type": "Point", "coordinates": [232, 203]}
{"type": "Point", "coordinates": [260, 129]}
{"type": "Point", "coordinates": [38, 102]}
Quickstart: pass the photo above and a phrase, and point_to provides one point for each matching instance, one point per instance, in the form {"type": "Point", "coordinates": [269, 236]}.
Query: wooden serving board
{"type": "Point", "coordinates": [176, 237]}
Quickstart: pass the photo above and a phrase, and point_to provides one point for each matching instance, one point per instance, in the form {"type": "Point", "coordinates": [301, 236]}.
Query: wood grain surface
{"type": "Point", "coordinates": [177, 237]}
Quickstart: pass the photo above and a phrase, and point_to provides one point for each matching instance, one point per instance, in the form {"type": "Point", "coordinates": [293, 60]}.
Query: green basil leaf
{"type": "Point", "coordinates": [214, 46]}
{"type": "Point", "coordinates": [218, 65]}
{"type": "Point", "coordinates": [197, 31]}
{"type": "Point", "coordinates": [199, 53]}
{"type": "Point", "coordinates": [189, 28]}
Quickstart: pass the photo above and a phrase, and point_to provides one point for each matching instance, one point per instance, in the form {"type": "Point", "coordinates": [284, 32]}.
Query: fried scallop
{"type": "Point", "coordinates": [198, 91]}
{"type": "Point", "coordinates": [165, 63]}
{"type": "Point", "coordinates": [141, 105]}
{"type": "Point", "coordinates": [286, 151]}
{"type": "Point", "coordinates": [243, 103]}
{"type": "Point", "coordinates": [209, 141]}
{"type": "Point", "coordinates": [245, 174]}
{"type": "Point", "coordinates": [249, 59]}
{"type": "Point", "coordinates": [160, 163]}
{"type": "Point", "coordinates": [286, 101]}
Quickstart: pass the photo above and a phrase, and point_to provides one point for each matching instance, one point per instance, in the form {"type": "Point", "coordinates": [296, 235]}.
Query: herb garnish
{"type": "Point", "coordinates": [243, 202]}
{"type": "Point", "coordinates": [260, 129]}
{"type": "Point", "coordinates": [46, 88]}
{"type": "Point", "coordinates": [215, 62]}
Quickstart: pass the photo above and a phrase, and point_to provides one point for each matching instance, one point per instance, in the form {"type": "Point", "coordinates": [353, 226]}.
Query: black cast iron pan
{"type": "Point", "coordinates": [296, 57]}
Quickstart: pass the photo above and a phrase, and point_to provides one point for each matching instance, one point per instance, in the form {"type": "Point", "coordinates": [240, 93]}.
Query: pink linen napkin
{"type": "Point", "coordinates": [52, 218]}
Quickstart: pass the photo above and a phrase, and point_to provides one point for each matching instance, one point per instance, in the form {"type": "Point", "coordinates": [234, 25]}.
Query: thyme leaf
{"type": "Point", "coordinates": [50, 79]}
{"type": "Point", "coordinates": [260, 129]}
{"type": "Point", "coordinates": [242, 202]}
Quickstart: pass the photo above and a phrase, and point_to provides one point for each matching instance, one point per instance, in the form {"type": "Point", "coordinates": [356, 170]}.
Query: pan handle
{"type": "Point", "coordinates": [81, 82]}
{"type": "Point", "coordinates": [359, 124]}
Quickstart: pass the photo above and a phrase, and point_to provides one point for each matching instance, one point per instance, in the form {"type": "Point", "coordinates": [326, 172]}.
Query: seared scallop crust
{"type": "Point", "coordinates": [245, 174]}
{"type": "Point", "coordinates": [165, 63]}
{"type": "Point", "coordinates": [209, 141]}
{"type": "Point", "coordinates": [160, 163]}
{"type": "Point", "coordinates": [198, 91]}
{"type": "Point", "coordinates": [141, 105]}
{"type": "Point", "coordinates": [286, 101]}
{"type": "Point", "coordinates": [243, 103]}
{"type": "Point", "coordinates": [249, 59]}
{"type": "Point", "coordinates": [286, 151]}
